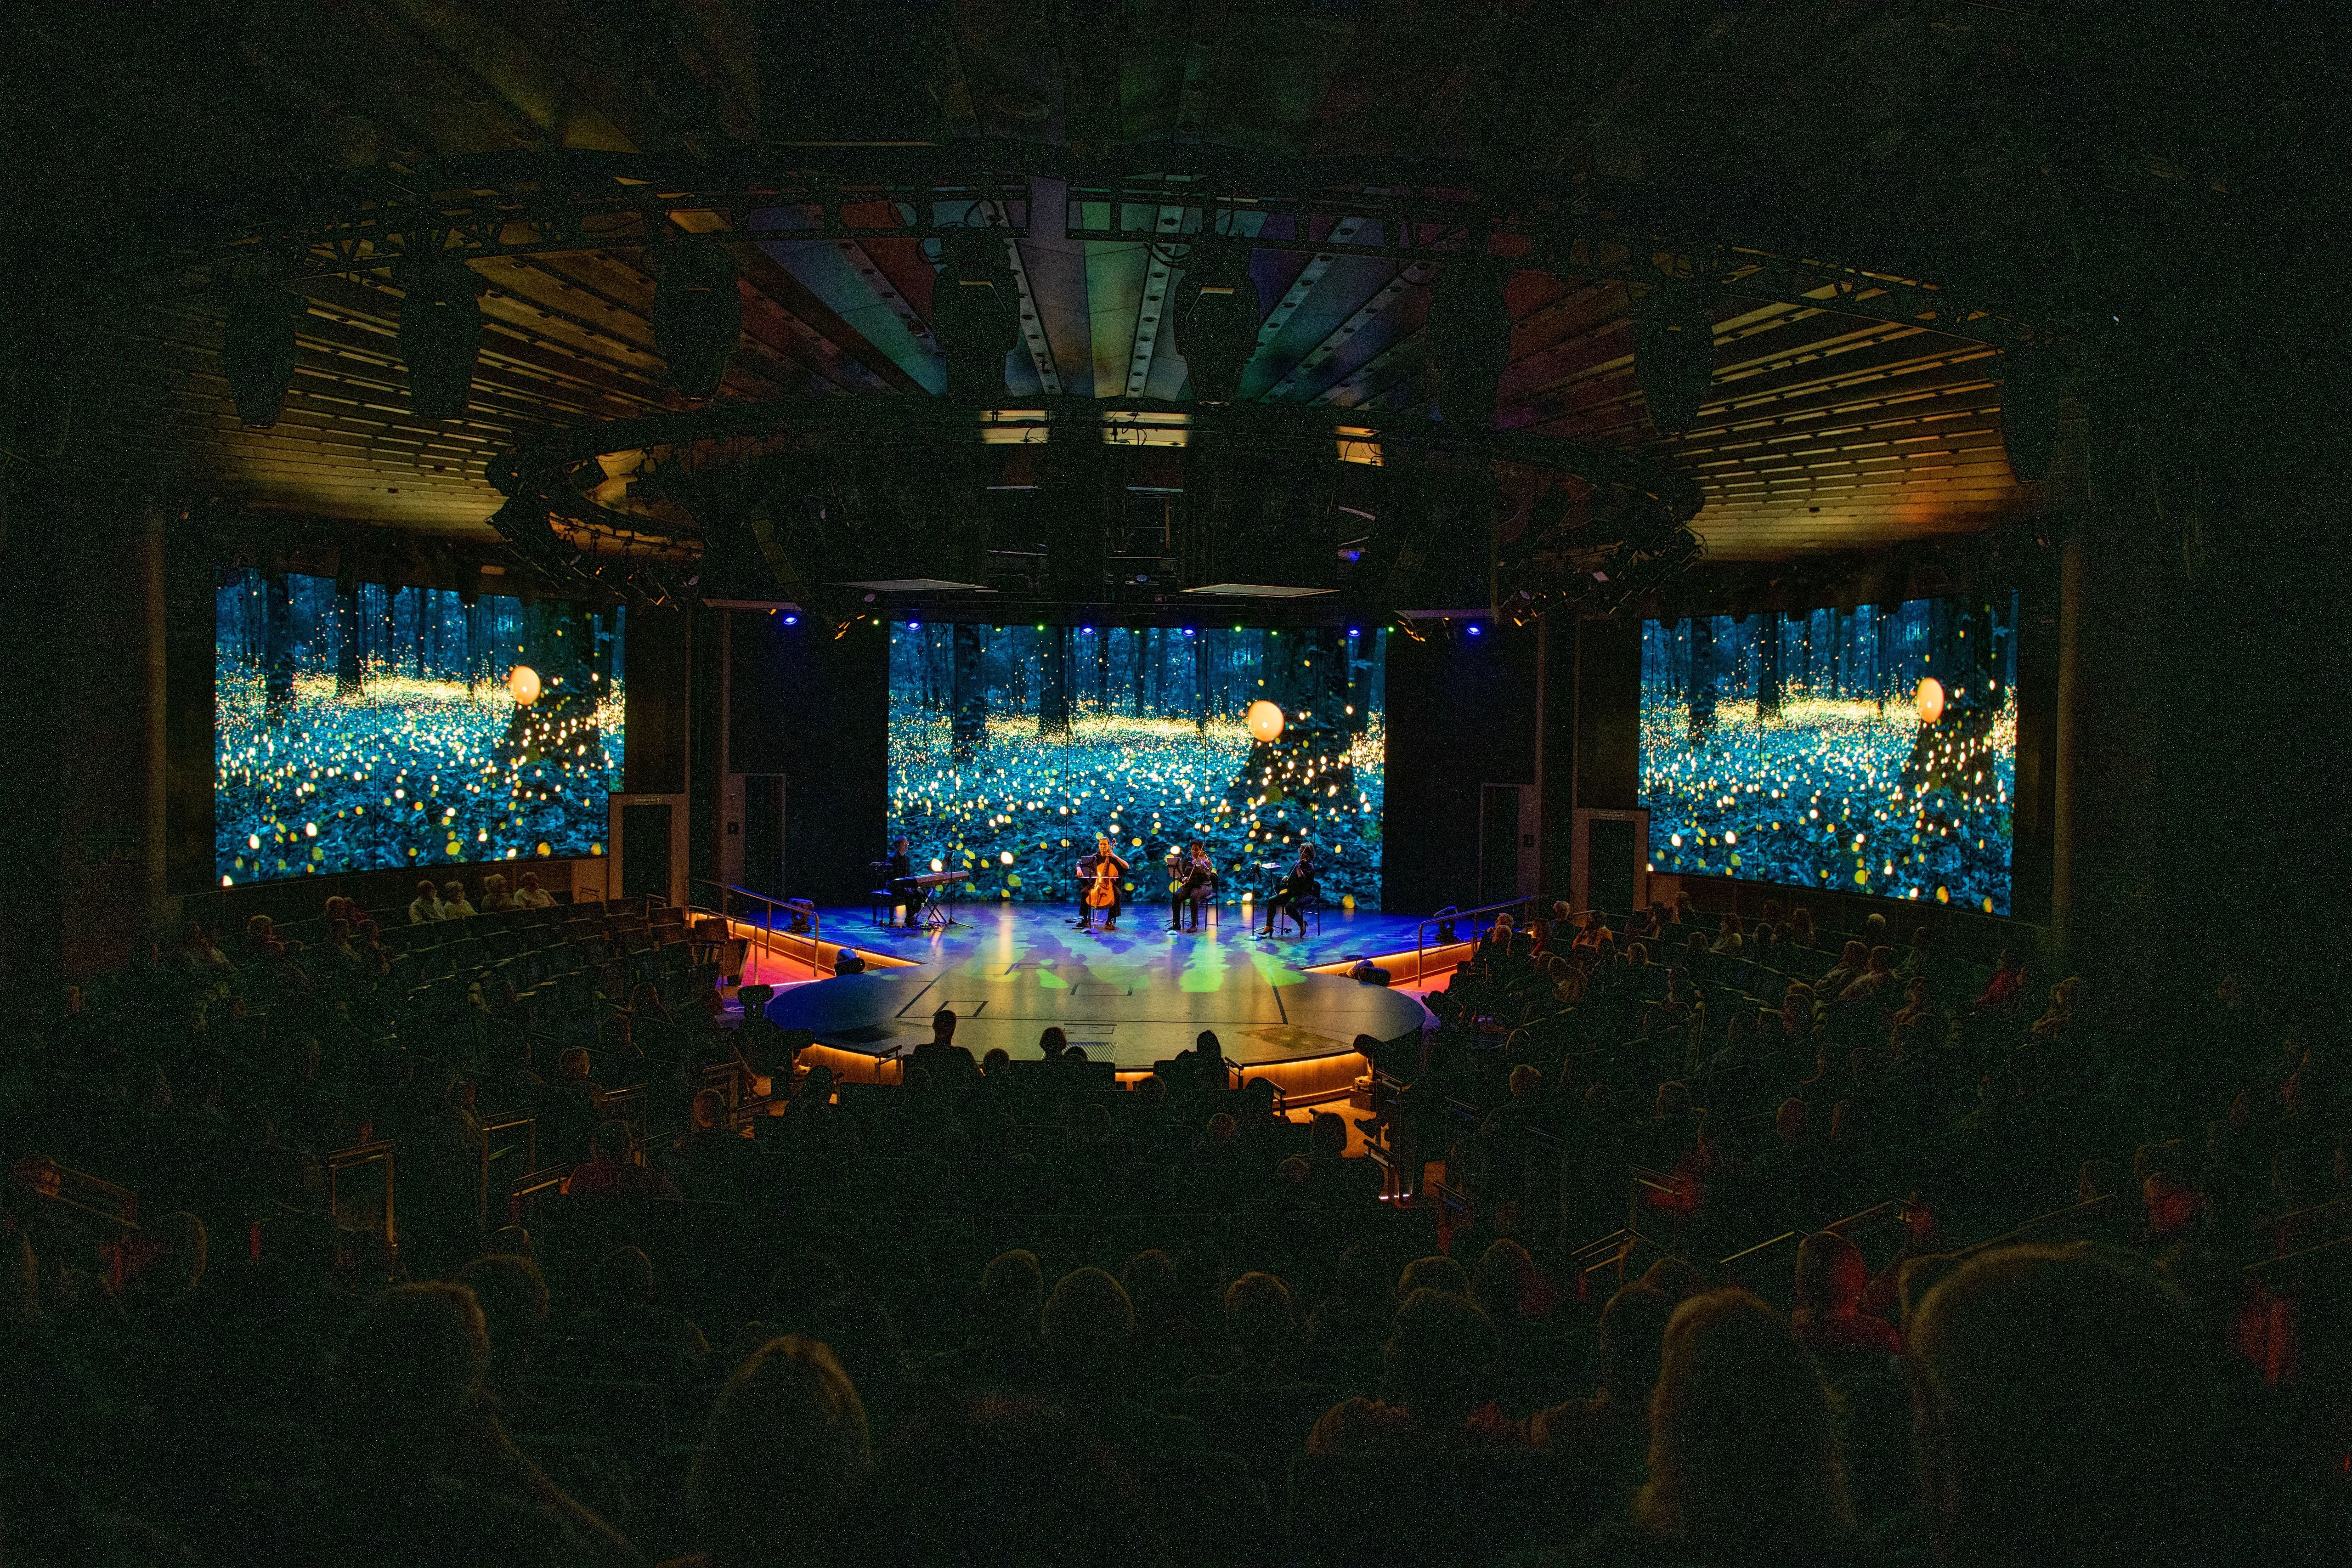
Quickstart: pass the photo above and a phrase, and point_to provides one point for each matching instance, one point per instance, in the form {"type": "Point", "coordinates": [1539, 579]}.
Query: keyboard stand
{"type": "Point", "coordinates": [935, 916]}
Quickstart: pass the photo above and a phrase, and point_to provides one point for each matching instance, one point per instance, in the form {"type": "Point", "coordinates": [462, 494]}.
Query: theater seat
{"type": "Point", "coordinates": [1209, 1510]}
{"type": "Point", "coordinates": [1457, 1510]}
{"type": "Point", "coordinates": [1265, 1427]}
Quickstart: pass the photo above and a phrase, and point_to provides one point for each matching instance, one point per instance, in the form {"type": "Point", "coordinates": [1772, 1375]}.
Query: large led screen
{"type": "Point", "coordinates": [1012, 748]}
{"type": "Point", "coordinates": [382, 728]}
{"type": "Point", "coordinates": [1870, 750]}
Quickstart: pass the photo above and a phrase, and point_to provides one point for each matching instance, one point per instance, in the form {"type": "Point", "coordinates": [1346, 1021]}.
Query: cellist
{"type": "Point", "coordinates": [1098, 876]}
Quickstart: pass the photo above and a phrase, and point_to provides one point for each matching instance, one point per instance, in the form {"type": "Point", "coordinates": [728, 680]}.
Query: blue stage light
{"type": "Point", "coordinates": [791, 620]}
{"type": "Point", "coordinates": [1475, 629]}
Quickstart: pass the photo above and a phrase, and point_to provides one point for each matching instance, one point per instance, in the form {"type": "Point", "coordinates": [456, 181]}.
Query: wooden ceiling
{"type": "Point", "coordinates": [1941, 140]}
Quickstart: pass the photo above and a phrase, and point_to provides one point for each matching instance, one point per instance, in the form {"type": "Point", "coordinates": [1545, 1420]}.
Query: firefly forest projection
{"type": "Point", "coordinates": [403, 727]}
{"type": "Point", "coordinates": [1012, 747]}
{"type": "Point", "coordinates": [1870, 750]}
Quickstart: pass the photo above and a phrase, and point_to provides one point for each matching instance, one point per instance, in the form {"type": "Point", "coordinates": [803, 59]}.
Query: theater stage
{"type": "Point", "coordinates": [1132, 996]}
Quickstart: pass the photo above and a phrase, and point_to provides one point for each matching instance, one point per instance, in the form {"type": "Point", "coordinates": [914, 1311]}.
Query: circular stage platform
{"type": "Point", "coordinates": [1132, 997]}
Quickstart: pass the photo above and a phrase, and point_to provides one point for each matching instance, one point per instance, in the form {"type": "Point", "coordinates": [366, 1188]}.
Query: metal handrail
{"type": "Point", "coordinates": [532, 1186]}
{"type": "Point", "coordinates": [1420, 931]}
{"type": "Point", "coordinates": [804, 906]}
{"type": "Point", "coordinates": [359, 1154]}
{"type": "Point", "coordinates": [493, 1125]}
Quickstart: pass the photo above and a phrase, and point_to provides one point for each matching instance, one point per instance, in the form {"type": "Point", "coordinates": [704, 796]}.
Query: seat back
{"type": "Point", "coordinates": [1455, 1510]}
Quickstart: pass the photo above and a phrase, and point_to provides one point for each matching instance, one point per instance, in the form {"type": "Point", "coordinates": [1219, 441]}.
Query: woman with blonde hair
{"type": "Point", "coordinates": [1744, 1464]}
{"type": "Point", "coordinates": [786, 1441]}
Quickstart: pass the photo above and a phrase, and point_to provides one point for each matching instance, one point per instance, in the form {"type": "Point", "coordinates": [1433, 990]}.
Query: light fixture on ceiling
{"type": "Point", "coordinates": [698, 313]}
{"type": "Point", "coordinates": [440, 336]}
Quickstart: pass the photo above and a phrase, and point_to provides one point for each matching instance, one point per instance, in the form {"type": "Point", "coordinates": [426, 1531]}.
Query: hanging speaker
{"type": "Point", "coordinates": [258, 349]}
{"type": "Point", "coordinates": [2029, 413]}
{"type": "Point", "coordinates": [975, 312]}
{"type": "Point", "coordinates": [440, 338]}
{"type": "Point", "coordinates": [1219, 336]}
{"type": "Point", "coordinates": [1674, 352]}
{"type": "Point", "coordinates": [1469, 338]}
{"type": "Point", "coordinates": [698, 314]}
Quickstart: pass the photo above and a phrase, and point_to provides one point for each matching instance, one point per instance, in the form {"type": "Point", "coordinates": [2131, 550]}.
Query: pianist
{"type": "Point", "coordinates": [903, 890]}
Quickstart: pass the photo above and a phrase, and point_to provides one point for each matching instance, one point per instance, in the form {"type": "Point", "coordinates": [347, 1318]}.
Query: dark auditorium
{"type": "Point", "coordinates": [1175, 784]}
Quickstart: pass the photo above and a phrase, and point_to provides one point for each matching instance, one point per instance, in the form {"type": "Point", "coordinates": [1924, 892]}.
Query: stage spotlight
{"type": "Point", "coordinates": [2029, 413]}
{"type": "Point", "coordinates": [791, 620]}
{"type": "Point", "coordinates": [1218, 337]}
{"type": "Point", "coordinates": [1674, 352]}
{"type": "Point", "coordinates": [1263, 720]}
{"type": "Point", "coordinates": [1469, 333]}
{"type": "Point", "coordinates": [698, 314]}
{"type": "Point", "coordinates": [258, 349]}
{"type": "Point", "coordinates": [440, 337]}
{"type": "Point", "coordinates": [1475, 629]}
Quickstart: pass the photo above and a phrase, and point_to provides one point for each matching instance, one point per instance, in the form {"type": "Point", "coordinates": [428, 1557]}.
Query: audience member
{"type": "Point", "coordinates": [785, 1445]}
{"type": "Point", "coordinates": [1443, 1363]}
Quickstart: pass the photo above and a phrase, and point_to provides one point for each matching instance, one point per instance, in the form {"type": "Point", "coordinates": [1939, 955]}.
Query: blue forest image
{"type": "Point", "coordinates": [1870, 750]}
{"type": "Point", "coordinates": [1012, 747]}
{"type": "Point", "coordinates": [403, 727]}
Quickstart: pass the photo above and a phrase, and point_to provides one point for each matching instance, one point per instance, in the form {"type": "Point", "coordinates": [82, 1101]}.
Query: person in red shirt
{"type": "Point", "coordinates": [611, 1171]}
{"type": "Point", "coordinates": [2000, 995]}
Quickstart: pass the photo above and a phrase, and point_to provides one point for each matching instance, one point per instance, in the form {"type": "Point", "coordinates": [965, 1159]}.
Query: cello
{"type": "Point", "coordinates": [1102, 888]}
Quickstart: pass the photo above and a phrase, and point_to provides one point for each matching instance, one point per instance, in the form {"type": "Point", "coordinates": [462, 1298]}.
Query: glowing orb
{"type": "Point", "coordinates": [1930, 700]}
{"type": "Point", "coordinates": [1265, 719]}
{"type": "Point", "coordinates": [522, 685]}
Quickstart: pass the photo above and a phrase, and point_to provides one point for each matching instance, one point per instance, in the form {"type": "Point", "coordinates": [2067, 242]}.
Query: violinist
{"type": "Point", "coordinates": [1191, 882]}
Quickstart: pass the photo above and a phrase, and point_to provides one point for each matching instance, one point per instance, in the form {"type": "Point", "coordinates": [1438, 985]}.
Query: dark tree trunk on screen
{"type": "Point", "coordinates": [1142, 642]}
{"type": "Point", "coordinates": [1701, 676]}
{"type": "Point", "coordinates": [1882, 651]}
{"type": "Point", "coordinates": [1804, 682]}
{"type": "Point", "coordinates": [386, 597]}
{"type": "Point", "coordinates": [1768, 668]}
{"type": "Point", "coordinates": [1102, 670]}
{"type": "Point", "coordinates": [1200, 685]}
{"type": "Point", "coordinates": [420, 603]}
{"type": "Point", "coordinates": [347, 639]}
{"type": "Point", "coordinates": [1054, 684]}
{"type": "Point", "coordinates": [969, 719]}
{"type": "Point", "coordinates": [277, 650]}
{"type": "Point", "coordinates": [473, 614]}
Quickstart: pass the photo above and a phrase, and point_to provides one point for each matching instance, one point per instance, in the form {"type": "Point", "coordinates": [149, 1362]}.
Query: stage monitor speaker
{"type": "Point", "coordinates": [1507, 842]}
{"type": "Point", "coordinates": [1607, 862]}
{"type": "Point", "coordinates": [647, 848]}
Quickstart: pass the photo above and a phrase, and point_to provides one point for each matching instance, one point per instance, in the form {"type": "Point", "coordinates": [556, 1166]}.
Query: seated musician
{"type": "Point", "coordinates": [1098, 876]}
{"type": "Point", "coordinates": [903, 889]}
{"type": "Point", "coordinates": [1192, 882]}
{"type": "Point", "coordinates": [1297, 890]}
